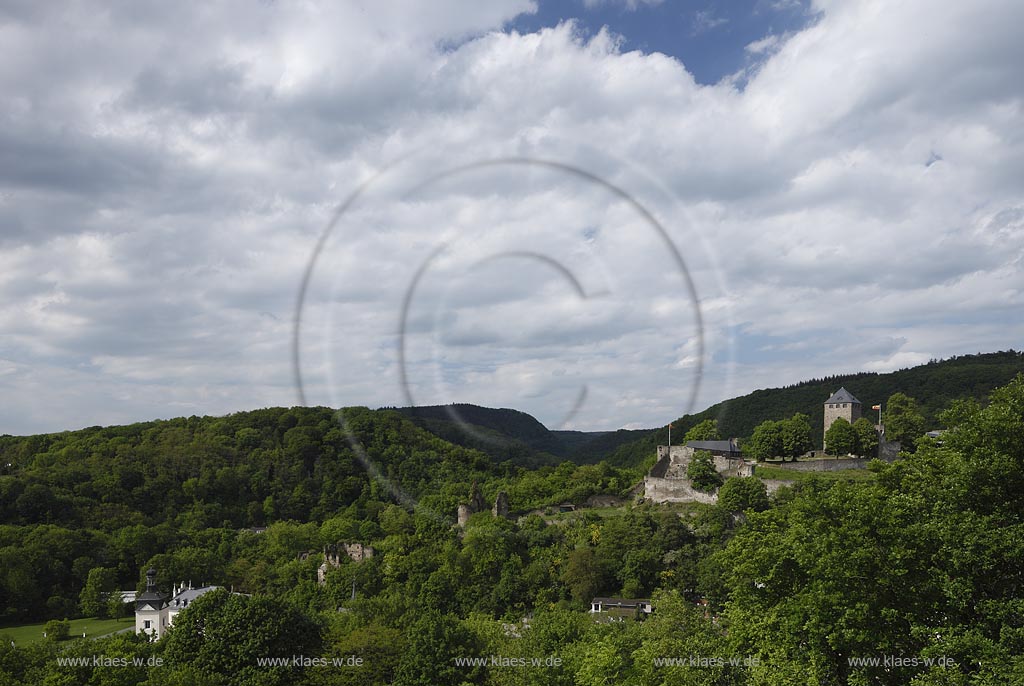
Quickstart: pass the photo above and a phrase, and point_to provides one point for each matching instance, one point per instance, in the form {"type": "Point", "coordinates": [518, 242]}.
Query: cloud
{"type": "Point", "coordinates": [706, 20]}
{"type": "Point", "coordinates": [766, 45]}
{"type": "Point", "coordinates": [630, 5]}
{"type": "Point", "coordinates": [851, 204]}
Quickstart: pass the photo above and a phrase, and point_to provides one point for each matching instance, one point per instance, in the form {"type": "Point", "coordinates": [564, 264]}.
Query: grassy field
{"type": "Point", "coordinates": [768, 472]}
{"type": "Point", "coordinates": [93, 628]}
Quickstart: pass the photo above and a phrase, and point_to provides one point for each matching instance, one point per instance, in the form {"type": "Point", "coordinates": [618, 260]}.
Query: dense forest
{"type": "Point", "coordinates": [183, 493]}
{"type": "Point", "coordinates": [920, 564]}
{"type": "Point", "coordinates": [506, 434]}
{"type": "Point", "coordinates": [934, 385]}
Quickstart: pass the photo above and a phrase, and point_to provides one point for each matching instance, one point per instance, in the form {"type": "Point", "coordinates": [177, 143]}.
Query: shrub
{"type": "Point", "coordinates": [57, 629]}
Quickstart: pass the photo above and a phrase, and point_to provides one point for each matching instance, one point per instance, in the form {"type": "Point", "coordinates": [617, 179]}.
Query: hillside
{"type": "Point", "coordinates": [935, 385]}
{"type": "Point", "coordinates": [122, 497]}
{"type": "Point", "coordinates": [505, 434]}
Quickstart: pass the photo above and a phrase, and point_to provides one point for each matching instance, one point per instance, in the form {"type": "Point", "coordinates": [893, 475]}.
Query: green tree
{"type": "Point", "coordinates": [115, 605]}
{"type": "Point", "coordinates": [92, 600]}
{"type": "Point", "coordinates": [57, 629]}
{"type": "Point", "coordinates": [867, 437]}
{"type": "Point", "coordinates": [766, 442]}
{"type": "Point", "coordinates": [796, 435]}
{"type": "Point", "coordinates": [840, 439]}
{"type": "Point", "coordinates": [247, 438]}
{"type": "Point", "coordinates": [584, 574]}
{"type": "Point", "coordinates": [922, 560]}
{"type": "Point", "coordinates": [706, 430]}
{"type": "Point", "coordinates": [903, 421]}
{"type": "Point", "coordinates": [701, 471]}
{"type": "Point", "coordinates": [395, 520]}
{"type": "Point", "coordinates": [677, 627]}
{"type": "Point", "coordinates": [378, 647]}
{"type": "Point", "coordinates": [223, 633]}
{"type": "Point", "coordinates": [433, 643]}
{"type": "Point", "coordinates": [743, 494]}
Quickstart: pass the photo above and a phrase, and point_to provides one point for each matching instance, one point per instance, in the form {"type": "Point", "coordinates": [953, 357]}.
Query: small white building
{"type": "Point", "coordinates": [632, 605]}
{"type": "Point", "coordinates": [154, 613]}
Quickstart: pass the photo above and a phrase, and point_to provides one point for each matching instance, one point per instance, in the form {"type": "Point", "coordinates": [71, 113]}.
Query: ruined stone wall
{"type": "Point", "coordinates": [824, 465]}
{"type": "Point", "coordinates": [889, 451]}
{"type": "Point", "coordinates": [732, 466]}
{"type": "Point", "coordinates": [774, 485]}
{"type": "Point", "coordinates": [661, 490]}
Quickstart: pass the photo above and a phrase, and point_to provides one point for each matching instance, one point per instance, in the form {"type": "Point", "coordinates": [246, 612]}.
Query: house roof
{"type": "Point", "coordinates": [150, 598]}
{"type": "Point", "coordinates": [190, 594]}
{"type": "Point", "coordinates": [842, 396]}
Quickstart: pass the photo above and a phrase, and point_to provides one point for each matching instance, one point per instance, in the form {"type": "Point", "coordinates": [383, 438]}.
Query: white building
{"type": "Point", "coordinates": [154, 614]}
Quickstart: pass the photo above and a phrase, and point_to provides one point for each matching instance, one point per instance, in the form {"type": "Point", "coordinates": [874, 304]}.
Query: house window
{"type": "Point", "coordinates": [148, 624]}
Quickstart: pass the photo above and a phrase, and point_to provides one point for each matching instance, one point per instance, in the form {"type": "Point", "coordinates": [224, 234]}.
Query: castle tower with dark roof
{"type": "Point", "coordinates": [841, 404]}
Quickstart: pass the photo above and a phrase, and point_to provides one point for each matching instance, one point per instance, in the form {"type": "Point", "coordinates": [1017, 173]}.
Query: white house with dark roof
{"type": "Point", "coordinates": [154, 613]}
{"type": "Point", "coordinates": [151, 609]}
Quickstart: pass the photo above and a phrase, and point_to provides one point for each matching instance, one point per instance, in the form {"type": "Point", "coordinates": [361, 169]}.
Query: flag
{"type": "Point", "coordinates": [876, 407]}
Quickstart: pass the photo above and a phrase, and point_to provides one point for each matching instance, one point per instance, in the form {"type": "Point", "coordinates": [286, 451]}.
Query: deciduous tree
{"type": "Point", "coordinates": [766, 442]}
{"type": "Point", "coordinates": [701, 471]}
{"type": "Point", "coordinates": [867, 437]}
{"type": "Point", "coordinates": [743, 494]}
{"type": "Point", "coordinates": [840, 439]}
{"type": "Point", "coordinates": [706, 430]}
{"type": "Point", "coordinates": [903, 420]}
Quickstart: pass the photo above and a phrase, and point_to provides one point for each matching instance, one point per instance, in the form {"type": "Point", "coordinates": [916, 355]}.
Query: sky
{"type": "Point", "coordinates": [606, 213]}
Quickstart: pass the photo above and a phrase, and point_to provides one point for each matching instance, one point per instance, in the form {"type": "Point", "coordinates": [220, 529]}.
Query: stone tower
{"type": "Point", "coordinates": [841, 404]}
{"type": "Point", "coordinates": [500, 508]}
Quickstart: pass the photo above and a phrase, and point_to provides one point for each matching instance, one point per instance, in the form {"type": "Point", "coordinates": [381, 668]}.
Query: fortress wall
{"type": "Point", "coordinates": [888, 453]}
{"type": "Point", "coordinates": [774, 485]}
{"type": "Point", "coordinates": [824, 465]}
{"type": "Point", "coordinates": [660, 490]}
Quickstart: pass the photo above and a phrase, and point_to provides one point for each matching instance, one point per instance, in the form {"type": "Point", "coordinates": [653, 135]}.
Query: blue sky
{"type": "Point", "coordinates": [709, 38]}
{"type": "Point", "coordinates": [834, 187]}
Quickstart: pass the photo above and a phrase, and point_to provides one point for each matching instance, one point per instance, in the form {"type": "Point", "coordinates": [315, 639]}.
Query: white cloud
{"type": "Point", "coordinates": [856, 204]}
{"type": "Point", "coordinates": [706, 20]}
{"type": "Point", "coordinates": [631, 5]}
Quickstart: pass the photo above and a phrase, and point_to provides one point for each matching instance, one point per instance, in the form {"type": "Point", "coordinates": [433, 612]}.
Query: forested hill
{"type": "Point", "coordinates": [122, 497]}
{"type": "Point", "coordinates": [506, 434]}
{"type": "Point", "coordinates": [245, 469]}
{"type": "Point", "coordinates": [934, 385]}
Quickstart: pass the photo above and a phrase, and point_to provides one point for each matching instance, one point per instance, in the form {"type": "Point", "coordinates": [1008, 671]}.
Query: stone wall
{"type": "Point", "coordinates": [733, 466]}
{"type": "Point", "coordinates": [660, 490]}
{"type": "Point", "coordinates": [826, 465]}
{"type": "Point", "coordinates": [673, 465]}
{"type": "Point", "coordinates": [888, 452]}
{"type": "Point", "coordinates": [774, 485]}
